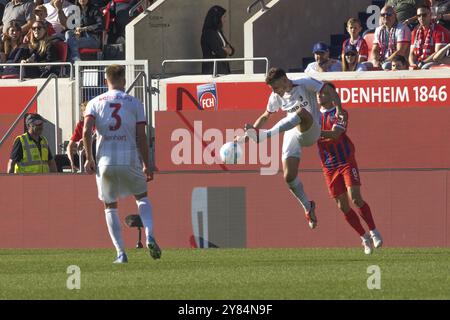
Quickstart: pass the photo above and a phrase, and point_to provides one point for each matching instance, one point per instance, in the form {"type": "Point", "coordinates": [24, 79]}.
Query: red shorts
{"type": "Point", "coordinates": [338, 180]}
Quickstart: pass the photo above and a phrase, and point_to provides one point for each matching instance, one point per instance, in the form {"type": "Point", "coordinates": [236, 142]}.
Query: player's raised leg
{"type": "Point", "coordinates": [366, 214]}
{"type": "Point", "coordinates": [146, 214]}
{"type": "Point", "coordinates": [115, 232]}
{"type": "Point", "coordinates": [290, 170]}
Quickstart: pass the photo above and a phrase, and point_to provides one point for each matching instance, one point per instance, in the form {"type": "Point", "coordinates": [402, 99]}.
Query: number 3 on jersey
{"type": "Point", "coordinates": [115, 115]}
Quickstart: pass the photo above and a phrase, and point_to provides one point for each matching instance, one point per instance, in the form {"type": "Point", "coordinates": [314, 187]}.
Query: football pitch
{"type": "Point", "coordinates": [227, 274]}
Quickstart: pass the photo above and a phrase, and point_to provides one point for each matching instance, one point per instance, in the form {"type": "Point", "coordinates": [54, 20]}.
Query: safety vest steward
{"type": "Point", "coordinates": [32, 161]}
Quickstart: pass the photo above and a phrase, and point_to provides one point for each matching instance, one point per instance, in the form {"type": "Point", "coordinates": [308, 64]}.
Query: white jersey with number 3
{"type": "Point", "coordinates": [116, 115]}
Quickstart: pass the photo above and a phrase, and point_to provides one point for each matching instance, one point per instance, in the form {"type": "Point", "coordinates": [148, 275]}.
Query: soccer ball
{"type": "Point", "coordinates": [230, 152]}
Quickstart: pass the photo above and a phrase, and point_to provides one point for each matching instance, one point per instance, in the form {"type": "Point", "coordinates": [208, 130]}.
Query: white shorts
{"type": "Point", "coordinates": [114, 182]}
{"type": "Point", "coordinates": [294, 140]}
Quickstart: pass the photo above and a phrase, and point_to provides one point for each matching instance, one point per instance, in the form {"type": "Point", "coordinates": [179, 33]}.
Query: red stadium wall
{"type": "Point", "coordinates": [401, 146]}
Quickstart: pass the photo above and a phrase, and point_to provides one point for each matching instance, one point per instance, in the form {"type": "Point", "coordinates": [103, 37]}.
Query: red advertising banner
{"type": "Point", "coordinates": [354, 93]}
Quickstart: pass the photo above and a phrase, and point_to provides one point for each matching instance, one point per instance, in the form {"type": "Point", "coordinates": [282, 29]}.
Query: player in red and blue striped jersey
{"type": "Point", "coordinates": [337, 154]}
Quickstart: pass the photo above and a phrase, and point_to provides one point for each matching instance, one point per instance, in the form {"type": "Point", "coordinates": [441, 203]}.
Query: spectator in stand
{"type": "Point", "coordinates": [443, 55]}
{"type": "Point", "coordinates": [21, 11]}
{"type": "Point", "coordinates": [64, 16]}
{"type": "Point", "coordinates": [87, 34]}
{"type": "Point", "coordinates": [13, 50]}
{"type": "Point", "coordinates": [214, 43]}
{"type": "Point", "coordinates": [354, 30]}
{"type": "Point", "coordinates": [405, 9]}
{"type": "Point", "coordinates": [31, 153]}
{"type": "Point", "coordinates": [2, 7]}
{"type": "Point", "coordinates": [323, 61]}
{"type": "Point", "coordinates": [350, 59]}
{"type": "Point", "coordinates": [427, 38]}
{"type": "Point", "coordinates": [391, 38]}
{"type": "Point", "coordinates": [440, 11]}
{"type": "Point", "coordinates": [399, 63]}
{"type": "Point", "coordinates": [42, 49]}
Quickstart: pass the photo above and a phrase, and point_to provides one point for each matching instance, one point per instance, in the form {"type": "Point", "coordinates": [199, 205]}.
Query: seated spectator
{"type": "Point", "coordinates": [64, 16]}
{"type": "Point", "coordinates": [391, 38]}
{"type": "Point", "coordinates": [443, 55]}
{"type": "Point", "coordinates": [323, 61]}
{"type": "Point", "coordinates": [442, 10]}
{"type": "Point", "coordinates": [21, 11]}
{"type": "Point", "coordinates": [87, 35]}
{"type": "Point", "coordinates": [350, 60]}
{"type": "Point", "coordinates": [42, 49]}
{"type": "Point", "coordinates": [405, 9]}
{"type": "Point", "coordinates": [354, 29]}
{"type": "Point", "coordinates": [214, 43]}
{"type": "Point", "coordinates": [13, 49]}
{"type": "Point", "coordinates": [427, 38]}
{"type": "Point", "coordinates": [399, 63]}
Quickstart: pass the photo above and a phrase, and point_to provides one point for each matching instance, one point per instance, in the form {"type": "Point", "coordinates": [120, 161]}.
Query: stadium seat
{"type": "Point", "coordinates": [10, 76]}
{"type": "Point", "coordinates": [369, 37]}
{"type": "Point", "coordinates": [62, 49]}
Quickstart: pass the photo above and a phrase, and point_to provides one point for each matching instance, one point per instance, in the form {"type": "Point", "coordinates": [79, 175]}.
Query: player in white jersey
{"type": "Point", "coordinates": [302, 126]}
{"type": "Point", "coordinates": [123, 167]}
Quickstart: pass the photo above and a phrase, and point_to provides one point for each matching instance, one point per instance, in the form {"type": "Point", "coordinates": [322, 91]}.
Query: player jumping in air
{"type": "Point", "coordinates": [302, 126]}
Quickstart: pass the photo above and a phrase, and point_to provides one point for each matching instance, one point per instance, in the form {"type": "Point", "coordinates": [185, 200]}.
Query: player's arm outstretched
{"type": "Point", "coordinates": [258, 124]}
{"type": "Point", "coordinates": [141, 140]}
{"type": "Point", "coordinates": [89, 164]}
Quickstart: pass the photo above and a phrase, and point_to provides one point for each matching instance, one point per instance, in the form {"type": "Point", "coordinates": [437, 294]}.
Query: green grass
{"type": "Point", "coordinates": [227, 274]}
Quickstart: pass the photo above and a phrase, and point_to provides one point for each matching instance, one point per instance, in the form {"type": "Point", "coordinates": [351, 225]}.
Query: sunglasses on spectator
{"type": "Point", "coordinates": [37, 28]}
{"type": "Point", "coordinates": [386, 14]}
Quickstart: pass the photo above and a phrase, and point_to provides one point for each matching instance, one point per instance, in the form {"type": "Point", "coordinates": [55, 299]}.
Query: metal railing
{"type": "Point", "coordinates": [136, 7]}
{"type": "Point", "coordinates": [263, 6]}
{"type": "Point", "coordinates": [28, 106]}
{"type": "Point", "coordinates": [35, 64]}
{"type": "Point", "coordinates": [214, 74]}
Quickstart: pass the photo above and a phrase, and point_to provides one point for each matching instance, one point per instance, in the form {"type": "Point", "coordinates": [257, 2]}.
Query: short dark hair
{"type": "Point", "coordinates": [274, 74]}
{"type": "Point", "coordinates": [115, 72]}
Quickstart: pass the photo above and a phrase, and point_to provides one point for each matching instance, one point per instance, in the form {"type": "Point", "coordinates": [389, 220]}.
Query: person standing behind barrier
{"type": "Point", "coordinates": [214, 44]}
{"type": "Point", "coordinates": [123, 166]}
{"type": "Point", "coordinates": [337, 155]}
{"type": "Point", "coordinates": [21, 11]}
{"type": "Point", "coordinates": [30, 153]}
{"type": "Point", "coordinates": [391, 38]}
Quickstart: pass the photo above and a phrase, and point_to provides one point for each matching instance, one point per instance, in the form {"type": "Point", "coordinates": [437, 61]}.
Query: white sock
{"type": "Point", "coordinates": [145, 211]}
{"type": "Point", "coordinates": [114, 228]}
{"type": "Point", "coordinates": [283, 125]}
{"type": "Point", "coordinates": [296, 187]}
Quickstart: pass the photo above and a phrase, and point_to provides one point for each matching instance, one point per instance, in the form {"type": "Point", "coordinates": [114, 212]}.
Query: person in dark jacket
{"type": "Point", "coordinates": [213, 42]}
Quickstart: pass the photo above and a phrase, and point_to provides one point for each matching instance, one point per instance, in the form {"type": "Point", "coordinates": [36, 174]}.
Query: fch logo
{"type": "Point", "coordinates": [207, 96]}
{"type": "Point", "coordinates": [208, 101]}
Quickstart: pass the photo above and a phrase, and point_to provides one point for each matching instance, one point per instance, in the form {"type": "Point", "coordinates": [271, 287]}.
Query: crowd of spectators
{"type": "Point", "coordinates": [79, 24]}
{"type": "Point", "coordinates": [412, 34]}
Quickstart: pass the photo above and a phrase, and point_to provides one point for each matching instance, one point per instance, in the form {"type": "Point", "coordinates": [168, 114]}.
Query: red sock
{"type": "Point", "coordinates": [366, 214]}
{"type": "Point", "coordinates": [353, 220]}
